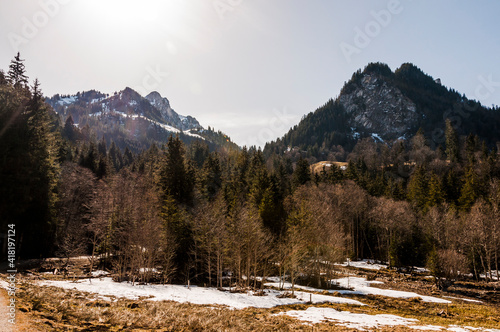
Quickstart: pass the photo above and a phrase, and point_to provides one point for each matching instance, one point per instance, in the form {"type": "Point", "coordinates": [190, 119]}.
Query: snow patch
{"type": "Point", "coordinates": [363, 287]}
{"type": "Point", "coordinates": [189, 133]}
{"type": "Point", "coordinates": [193, 294]}
{"type": "Point", "coordinates": [377, 137]}
{"type": "Point", "coordinates": [67, 100]}
{"type": "Point", "coordinates": [99, 273]}
{"type": "Point", "coordinates": [367, 264]}
{"type": "Point", "coordinates": [463, 299]}
{"type": "Point", "coordinates": [348, 319]}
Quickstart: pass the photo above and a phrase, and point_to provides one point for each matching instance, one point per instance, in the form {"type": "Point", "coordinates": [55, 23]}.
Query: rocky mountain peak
{"type": "Point", "coordinates": [377, 106]}
{"type": "Point", "coordinates": [163, 105]}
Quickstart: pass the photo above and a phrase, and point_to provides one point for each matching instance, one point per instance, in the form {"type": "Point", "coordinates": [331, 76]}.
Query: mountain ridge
{"type": "Point", "coordinates": [132, 120]}
{"type": "Point", "coordinates": [388, 106]}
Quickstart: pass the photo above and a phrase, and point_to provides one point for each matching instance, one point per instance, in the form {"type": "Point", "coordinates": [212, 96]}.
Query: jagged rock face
{"type": "Point", "coordinates": [378, 107]}
{"type": "Point", "coordinates": [178, 121]}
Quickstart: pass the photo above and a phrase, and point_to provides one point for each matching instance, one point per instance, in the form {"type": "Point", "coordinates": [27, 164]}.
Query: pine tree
{"type": "Point", "coordinates": [29, 168]}
{"type": "Point", "coordinates": [417, 187]}
{"type": "Point", "coordinates": [271, 208]}
{"type": "Point", "coordinates": [334, 174]}
{"type": "Point", "coordinates": [436, 192]}
{"type": "Point", "coordinates": [115, 156]}
{"type": "Point", "coordinates": [101, 147]}
{"type": "Point", "coordinates": [302, 173]}
{"type": "Point", "coordinates": [351, 172]}
{"type": "Point", "coordinates": [69, 131]}
{"type": "Point", "coordinates": [211, 180]}
{"type": "Point", "coordinates": [175, 178]}
{"type": "Point", "coordinates": [452, 146]}
{"type": "Point", "coordinates": [128, 157]}
{"type": "Point", "coordinates": [470, 148]}
{"type": "Point", "coordinates": [470, 190]}
{"type": "Point", "coordinates": [17, 73]}
{"type": "Point", "coordinates": [452, 185]}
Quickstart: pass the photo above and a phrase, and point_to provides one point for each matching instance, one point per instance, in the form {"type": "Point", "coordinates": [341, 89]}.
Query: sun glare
{"type": "Point", "coordinates": [132, 13]}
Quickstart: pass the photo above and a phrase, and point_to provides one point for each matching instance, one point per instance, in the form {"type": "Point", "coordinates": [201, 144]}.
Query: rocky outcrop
{"type": "Point", "coordinates": [378, 107]}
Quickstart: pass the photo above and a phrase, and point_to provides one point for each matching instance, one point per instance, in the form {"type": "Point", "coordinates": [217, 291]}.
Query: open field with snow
{"type": "Point", "coordinates": [392, 302]}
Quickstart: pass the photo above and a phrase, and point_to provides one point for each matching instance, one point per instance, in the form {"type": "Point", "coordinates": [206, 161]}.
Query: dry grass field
{"type": "Point", "coordinates": [55, 309]}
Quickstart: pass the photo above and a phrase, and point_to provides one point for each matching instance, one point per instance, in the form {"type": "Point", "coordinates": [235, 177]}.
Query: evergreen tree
{"type": "Point", "coordinates": [175, 178]}
{"type": "Point", "coordinates": [470, 148]}
{"type": "Point", "coordinates": [417, 187]}
{"type": "Point", "coordinates": [334, 175]}
{"type": "Point", "coordinates": [198, 152]}
{"type": "Point", "coordinates": [302, 173]}
{"type": "Point", "coordinates": [176, 223]}
{"type": "Point", "coordinates": [17, 73]}
{"type": "Point", "coordinates": [211, 181]}
{"type": "Point", "coordinates": [452, 184]}
{"type": "Point", "coordinates": [115, 156]}
{"type": "Point", "coordinates": [128, 157]}
{"type": "Point", "coordinates": [452, 146]}
{"type": "Point", "coordinates": [69, 131]}
{"type": "Point", "coordinates": [351, 172]}
{"type": "Point", "coordinates": [436, 192]}
{"type": "Point", "coordinates": [102, 148]}
{"type": "Point", "coordinates": [28, 168]}
{"type": "Point", "coordinates": [271, 208]}
{"type": "Point", "coordinates": [470, 190]}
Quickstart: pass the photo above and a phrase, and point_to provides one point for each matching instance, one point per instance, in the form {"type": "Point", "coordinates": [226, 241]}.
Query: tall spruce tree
{"type": "Point", "coordinates": [417, 187]}
{"type": "Point", "coordinates": [470, 190]}
{"type": "Point", "coordinates": [302, 173]}
{"type": "Point", "coordinates": [436, 193]}
{"type": "Point", "coordinates": [452, 145]}
{"type": "Point", "coordinates": [176, 179]}
{"type": "Point", "coordinates": [17, 73]}
{"type": "Point", "coordinates": [29, 166]}
{"type": "Point", "coordinates": [211, 177]}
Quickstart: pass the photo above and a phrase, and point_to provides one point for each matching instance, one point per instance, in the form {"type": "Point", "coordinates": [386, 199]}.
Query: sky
{"type": "Point", "coordinates": [250, 68]}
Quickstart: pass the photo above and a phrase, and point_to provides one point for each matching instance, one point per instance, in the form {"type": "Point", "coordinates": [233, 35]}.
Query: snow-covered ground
{"type": "Point", "coordinates": [107, 289]}
{"type": "Point", "coordinates": [99, 273]}
{"type": "Point", "coordinates": [370, 264]}
{"type": "Point", "coordinates": [348, 319]}
{"type": "Point", "coordinates": [364, 264]}
{"type": "Point", "coordinates": [193, 294]}
{"type": "Point", "coordinates": [361, 286]}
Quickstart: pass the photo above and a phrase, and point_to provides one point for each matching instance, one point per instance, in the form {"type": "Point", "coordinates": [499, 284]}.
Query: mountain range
{"type": "Point", "coordinates": [375, 103]}
{"type": "Point", "coordinates": [131, 120]}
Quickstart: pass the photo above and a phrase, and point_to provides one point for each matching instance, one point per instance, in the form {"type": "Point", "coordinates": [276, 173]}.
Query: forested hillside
{"type": "Point", "coordinates": [129, 120]}
{"type": "Point", "coordinates": [388, 106]}
{"type": "Point", "coordinates": [182, 213]}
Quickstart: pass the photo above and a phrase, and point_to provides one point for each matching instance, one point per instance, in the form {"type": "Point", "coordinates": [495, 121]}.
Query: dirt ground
{"type": "Point", "coordinates": [22, 322]}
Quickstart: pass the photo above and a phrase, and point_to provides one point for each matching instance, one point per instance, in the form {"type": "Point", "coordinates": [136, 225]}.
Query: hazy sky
{"type": "Point", "coordinates": [251, 68]}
